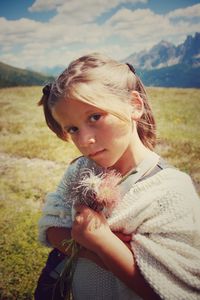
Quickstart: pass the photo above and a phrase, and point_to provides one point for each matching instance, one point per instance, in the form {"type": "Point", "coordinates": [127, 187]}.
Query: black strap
{"type": "Point", "coordinates": [162, 164]}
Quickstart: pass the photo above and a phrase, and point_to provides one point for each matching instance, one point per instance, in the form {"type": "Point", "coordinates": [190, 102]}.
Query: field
{"type": "Point", "coordinates": [32, 160]}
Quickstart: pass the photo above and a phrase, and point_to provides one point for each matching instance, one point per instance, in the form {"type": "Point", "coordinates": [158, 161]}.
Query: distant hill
{"type": "Point", "coordinates": [180, 75]}
{"type": "Point", "coordinates": [168, 65]}
{"type": "Point", "coordinates": [11, 76]}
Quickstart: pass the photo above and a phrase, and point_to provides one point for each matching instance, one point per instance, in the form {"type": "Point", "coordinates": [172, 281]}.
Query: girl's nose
{"type": "Point", "coordinates": [86, 138]}
{"type": "Point", "coordinates": [91, 140]}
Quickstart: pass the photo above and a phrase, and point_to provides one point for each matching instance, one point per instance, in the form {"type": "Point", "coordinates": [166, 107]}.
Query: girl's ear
{"type": "Point", "coordinates": [137, 106]}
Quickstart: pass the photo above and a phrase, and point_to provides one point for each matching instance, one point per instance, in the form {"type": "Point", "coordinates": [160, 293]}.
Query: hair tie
{"type": "Point", "coordinates": [47, 89]}
{"type": "Point", "coordinates": [131, 68]}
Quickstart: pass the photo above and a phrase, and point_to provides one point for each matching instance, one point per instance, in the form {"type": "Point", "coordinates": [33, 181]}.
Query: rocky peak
{"type": "Point", "coordinates": [166, 54]}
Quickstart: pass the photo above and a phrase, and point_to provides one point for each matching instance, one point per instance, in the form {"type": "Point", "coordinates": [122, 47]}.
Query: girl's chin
{"type": "Point", "coordinates": [102, 159]}
{"type": "Point", "coordinates": [105, 164]}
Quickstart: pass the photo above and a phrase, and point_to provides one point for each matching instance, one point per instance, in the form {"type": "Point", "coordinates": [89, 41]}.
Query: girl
{"type": "Point", "coordinates": [149, 247]}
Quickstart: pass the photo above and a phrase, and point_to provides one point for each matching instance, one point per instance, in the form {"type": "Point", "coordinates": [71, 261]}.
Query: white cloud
{"type": "Point", "coordinates": [78, 11]}
{"type": "Point", "coordinates": [18, 31]}
{"type": "Point", "coordinates": [73, 32]}
{"type": "Point", "coordinates": [188, 12]}
{"type": "Point", "coordinates": [143, 28]}
{"type": "Point", "coordinates": [139, 28]}
{"type": "Point", "coordinates": [45, 5]}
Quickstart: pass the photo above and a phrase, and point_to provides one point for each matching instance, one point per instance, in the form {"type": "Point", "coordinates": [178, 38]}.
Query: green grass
{"type": "Point", "coordinates": [23, 130]}
{"type": "Point", "coordinates": [21, 258]}
{"type": "Point", "coordinates": [178, 122]}
{"type": "Point", "coordinates": [32, 161]}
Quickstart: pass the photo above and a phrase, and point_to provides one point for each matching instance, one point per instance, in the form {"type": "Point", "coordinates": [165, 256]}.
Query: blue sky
{"type": "Point", "coordinates": [45, 33]}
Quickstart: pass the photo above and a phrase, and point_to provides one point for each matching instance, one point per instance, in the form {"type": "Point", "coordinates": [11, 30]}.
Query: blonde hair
{"type": "Point", "coordinates": [102, 82]}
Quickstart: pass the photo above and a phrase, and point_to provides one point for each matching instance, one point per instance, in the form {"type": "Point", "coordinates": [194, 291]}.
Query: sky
{"type": "Point", "coordinates": [46, 33]}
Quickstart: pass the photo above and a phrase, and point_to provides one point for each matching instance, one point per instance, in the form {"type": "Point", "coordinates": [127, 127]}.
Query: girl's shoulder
{"type": "Point", "coordinates": [79, 158]}
{"type": "Point", "coordinates": [79, 165]}
{"type": "Point", "coordinates": [167, 179]}
{"type": "Point", "coordinates": [173, 174]}
{"type": "Point", "coordinates": [174, 181]}
{"type": "Point", "coordinates": [83, 162]}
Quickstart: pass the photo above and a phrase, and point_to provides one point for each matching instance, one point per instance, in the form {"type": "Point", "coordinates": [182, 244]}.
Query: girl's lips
{"type": "Point", "coordinates": [96, 153]}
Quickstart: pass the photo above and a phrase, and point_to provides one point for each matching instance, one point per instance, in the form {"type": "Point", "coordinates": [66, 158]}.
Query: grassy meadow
{"type": "Point", "coordinates": [32, 161]}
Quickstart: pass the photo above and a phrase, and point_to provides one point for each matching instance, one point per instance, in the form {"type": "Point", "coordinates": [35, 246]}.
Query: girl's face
{"type": "Point", "coordinates": [97, 134]}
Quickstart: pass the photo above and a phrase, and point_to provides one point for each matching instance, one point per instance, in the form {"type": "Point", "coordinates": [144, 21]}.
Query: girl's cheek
{"type": "Point", "coordinates": [75, 142]}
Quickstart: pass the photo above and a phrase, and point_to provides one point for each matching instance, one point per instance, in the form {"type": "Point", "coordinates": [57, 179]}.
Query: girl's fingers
{"type": "Point", "coordinates": [79, 207]}
{"type": "Point", "coordinates": [83, 209]}
{"type": "Point", "coordinates": [123, 237]}
{"type": "Point", "coordinates": [78, 219]}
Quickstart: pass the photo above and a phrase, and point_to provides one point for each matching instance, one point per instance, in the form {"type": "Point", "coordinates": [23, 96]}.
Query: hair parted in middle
{"type": "Point", "coordinates": [104, 83]}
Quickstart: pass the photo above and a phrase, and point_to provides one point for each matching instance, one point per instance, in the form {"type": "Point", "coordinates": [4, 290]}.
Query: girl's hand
{"type": "Point", "coordinates": [90, 228]}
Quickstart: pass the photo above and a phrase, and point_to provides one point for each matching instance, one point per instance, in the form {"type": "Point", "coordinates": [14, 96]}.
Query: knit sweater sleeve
{"type": "Point", "coordinates": [57, 208]}
{"type": "Point", "coordinates": [164, 219]}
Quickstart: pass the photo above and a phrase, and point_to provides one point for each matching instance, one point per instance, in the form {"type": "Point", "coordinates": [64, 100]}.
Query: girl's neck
{"type": "Point", "coordinates": [133, 156]}
{"type": "Point", "coordinates": [135, 160]}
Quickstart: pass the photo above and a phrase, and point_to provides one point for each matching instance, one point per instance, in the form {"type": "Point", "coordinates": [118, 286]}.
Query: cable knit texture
{"type": "Point", "coordinates": [163, 215]}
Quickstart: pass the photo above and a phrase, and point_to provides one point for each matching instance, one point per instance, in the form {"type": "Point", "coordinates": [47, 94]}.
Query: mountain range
{"type": "Point", "coordinates": [11, 76]}
{"type": "Point", "coordinates": [163, 65]}
{"type": "Point", "coordinates": [165, 54]}
{"type": "Point", "coordinates": [168, 65]}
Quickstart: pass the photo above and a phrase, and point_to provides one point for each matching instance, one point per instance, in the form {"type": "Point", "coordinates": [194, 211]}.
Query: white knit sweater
{"type": "Point", "coordinates": [163, 215]}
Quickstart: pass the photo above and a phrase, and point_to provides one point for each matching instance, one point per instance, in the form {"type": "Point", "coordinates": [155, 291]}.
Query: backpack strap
{"type": "Point", "coordinates": [134, 178]}
{"type": "Point", "coordinates": [161, 165]}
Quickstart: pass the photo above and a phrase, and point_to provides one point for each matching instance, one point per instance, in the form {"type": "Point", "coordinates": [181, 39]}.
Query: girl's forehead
{"type": "Point", "coordinates": [70, 108]}
{"type": "Point", "coordinates": [78, 104]}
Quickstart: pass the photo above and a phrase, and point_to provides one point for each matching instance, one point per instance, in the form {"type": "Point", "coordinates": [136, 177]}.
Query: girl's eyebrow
{"type": "Point", "coordinates": [86, 113]}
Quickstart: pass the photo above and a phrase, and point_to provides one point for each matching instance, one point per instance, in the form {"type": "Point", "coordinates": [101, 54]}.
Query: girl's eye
{"type": "Point", "coordinates": [95, 117]}
{"type": "Point", "coordinates": [72, 130]}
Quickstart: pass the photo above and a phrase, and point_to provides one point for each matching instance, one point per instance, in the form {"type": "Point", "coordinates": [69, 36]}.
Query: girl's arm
{"type": "Point", "coordinates": [56, 236]}
{"type": "Point", "coordinates": [90, 229]}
